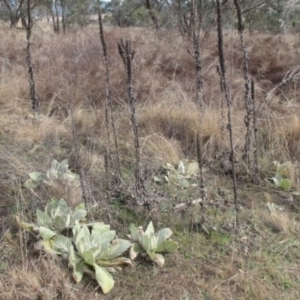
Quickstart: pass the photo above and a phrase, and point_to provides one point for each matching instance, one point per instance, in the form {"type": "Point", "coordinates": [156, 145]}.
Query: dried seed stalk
{"type": "Point", "coordinates": [228, 101]}
{"type": "Point", "coordinates": [82, 177]}
{"type": "Point", "coordinates": [34, 99]}
{"type": "Point", "coordinates": [255, 159]}
{"type": "Point", "coordinates": [127, 55]}
{"type": "Point", "coordinates": [200, 163]}
{"type": "Point", "coordinates": [108, 106]}
{"type": "Point", "coordinates": [196, 21]}
{"type": "Point", "coordinates": [247, 98]}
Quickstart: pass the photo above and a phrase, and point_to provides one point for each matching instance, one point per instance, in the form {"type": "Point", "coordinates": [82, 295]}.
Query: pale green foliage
{"type": "Point", "coordinates": [58, 173]}
{"type": "Point", "coordinates": [92, 248]}
{"type": "Point", "coordinates": [95, 249]}
{"type": "Point", "coordinates": [273, 207]}
{"type": "Point", "coordinates": [179, 175]}
{"type": "Point", "coordinates": [57, 217]}
{"type": "Point", "coordinates": [151, 243]}
{"type": "Point", "coordinates": [282, 172]}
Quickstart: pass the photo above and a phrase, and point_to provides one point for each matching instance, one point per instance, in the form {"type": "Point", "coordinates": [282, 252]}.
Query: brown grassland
{"type": "Point", "coordinates": [261, 262]}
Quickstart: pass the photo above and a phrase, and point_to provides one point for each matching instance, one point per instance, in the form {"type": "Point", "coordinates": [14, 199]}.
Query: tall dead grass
{"type": "Point", "coordinates": [70, 69]}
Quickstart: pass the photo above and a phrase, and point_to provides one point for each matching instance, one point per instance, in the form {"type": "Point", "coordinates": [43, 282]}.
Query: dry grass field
{"type": "Point", "coordinates": [260, 262]}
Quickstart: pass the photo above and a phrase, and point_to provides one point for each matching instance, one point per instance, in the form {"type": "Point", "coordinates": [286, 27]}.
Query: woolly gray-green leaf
{"type": "Point", "coordinates": [31, 184]}
{"type": "Point", "coordinates": [183, 182]}
{"type": "Point", "coordinates": [64, 166]}
{"type": "Point", "coordinates": [52, 206]}
{"type": "Point", "coordinates": [104, 279]}
{"type": "Point", "coordinates": [156, 258]}
{"type": "Point", "coordinates": [101, 227]}
{"type": "Point", "coordinates": [78, 215]}
{"type": "Point", "coordinates": [150, 228]}
{"type": "Point", "coordinates": [43, 219]}
{"type": "Point", "coordinates": [168, 166]}
{"type": "Point", "coordinates": [80, 206]}
{"type": "Point", "coordinates": [88, 257]}
{"type": "Point", "coordinates": [118, 247]}
{"type": "Point", "coordinates": [135, 250]}
{"type": "Point", "coordinates": [191, 167]}
{"type": "Point", "coordinates": [157, 179]}
{"type": "Point", "coordinates": [60, 223]}
{"type": "Point", "coordinates": [146, 242]}
{"type": "Point", "coordinates": [167, 247]}
{"type": "Point", "coordinates": [134, 233]}
{"type": "Point", "coordinates": [153, 242]}
{"type": "Point", "coordinates": [46, 233]}
{"type": "Point", "coordinates": [163, 235]}
{"type": "Point", "coordinates": [82, 238]}
{"type": "Point", "coordinates": [62, 244]}
{"type": "Point", "coordinates": [103, 240]}
{"type": "Point", "coordinates": [77, 263]}
{"type": "Point", "coordinates": [37, 176]}
{"type": "Point", "coordinates": [181, 168]}
{"type": "Point", "coordinates": [47, 246]}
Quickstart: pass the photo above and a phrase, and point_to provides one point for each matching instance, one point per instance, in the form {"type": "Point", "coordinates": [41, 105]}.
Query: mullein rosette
{"type": "Point", "coordinates": [151, 244]}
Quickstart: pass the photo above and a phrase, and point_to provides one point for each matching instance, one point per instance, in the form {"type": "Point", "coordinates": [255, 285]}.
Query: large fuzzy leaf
{"type": "Point", "coordinates": [135, 250]}
{"type": "Point", "coordinates": [277, 179]}
{"type": "Point", "coordinates": [191, 167]}
{"type": "Point", "coordinates": [77, 263]}
{"type": "Point", "coordinates": [163, 235]}
{"type": "Point", "coordinates": [43, 219]}
{"type": "Point", "coordinates": [167, 246]}
{"type": "Point", "coordinates": [100, 227]}
{"type": "Point", "coordinates": [181, 167]}
{"type": "Point", "coordinates": [62, 244]}
{"type": "Point", "coordinates": [156, 258]}
{"type": "Point", "coordinates": [104, 279]}
{"type": "Point", "coordinates": [46, 233]}
{"type": "Point", "coordinates": [134, 233]}
{"type": "Point", "coordinates": [89, 257]}
{"type": "Point", "coordinates": [37, 176]}
{"type": "Point", "coordinates": [60, 223]}
{"type": "Point", "coordinates": [168, 166]}
{"type": "Point", "coordinates": [52, 207]}
{"type": "Point", "coordinates": [69, 176]}
{"type": "Point", "coordinates": [30, 184]}
{"type": "Point", "coordinates": [118, 247]}
{"type": "Point", "coordinates": [80, 206]}
{"type": "Point", "coordinates": [63, 208]}
{"type": "Point", "coordinates": [47, 246]}
{"type": "Point", "coordinates": [153, 242]}
{"type": "Point", "coordinates": [150, 228]}
{"type": "Point", "coordinates": [78, 270]}
{"type": "Point", "coordinates": [75, 230]}
{"type": "Point", "coordinates": [146, 242]}
{"type": "Point", "coordinates": [182, 182]}
{"type": "Point", "coordinates": [82, 238]}
{"type": "Point", "coordinates": [64, 166]}
{"type": "Point", "coordinates": [102, 240]}
{"type": "Point", "coordinates": [78, 215]}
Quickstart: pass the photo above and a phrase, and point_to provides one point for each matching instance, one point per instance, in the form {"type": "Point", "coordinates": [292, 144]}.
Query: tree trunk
{"type": "Point", "coordinates": [151, 13]}
{"type": "Point", "coordinates": [56, 16]}
{"type": "Point", "coordinates": [53, 18]}
{"type": "Point", "coordinates": [63, 16]}
{"type": "Point", "coordinates": [13, 20]}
